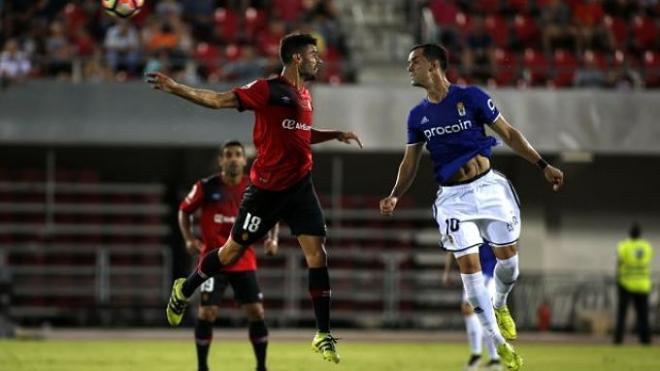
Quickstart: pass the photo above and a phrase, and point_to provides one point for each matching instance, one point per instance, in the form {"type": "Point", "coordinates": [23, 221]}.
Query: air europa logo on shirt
{"type": "Point", "coordinates": [293, 125]}
{"type": "Point", "coordinates": [448, 129]}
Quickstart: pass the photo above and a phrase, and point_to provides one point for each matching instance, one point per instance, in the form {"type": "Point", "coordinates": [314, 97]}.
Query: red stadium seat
{"type": "Point", "coordinates": [208, 58]}
{"type": "Point", "coordinates": [463, 23]}
{"type": "Point", "coordinates": [597, 57]}
{"type": "Point", "coordinates": [233, 52]}
{"type": "Point", "coordinates": [255, 21]}
{"type": "Point", "coordinates": [535, 67]}
{"type": "Point", "coordinates": [565, 65]}
{"type": "Point", "coordinates": [488, 6]}
{"type": "Point", "coordinates": [619, 30]}
{"type": "Point", "coordinates": [525, 29]}
{"type": "Point", "coordinates": [506, 67]}
{"type": "Point", "coordinates": [226, 24]}
{"type": "Point", "coordinates": [645, 32]}
{"type": "Point", "coordinates": [519, 6]}
{"type": "Point", "coordinates": [651, 64]}
{"type": "Point", "coordinates": [498, 29]}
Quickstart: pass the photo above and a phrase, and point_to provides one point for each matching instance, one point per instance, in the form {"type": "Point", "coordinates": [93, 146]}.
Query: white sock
{"type": "Point", "coordinates": [474, 333]}
{"type": "Point", "coordinates": [492, 350]}
{"type": "Point", "coordinates": [506, 274]}
{"type": "Point", "coordinates": [477, 296]}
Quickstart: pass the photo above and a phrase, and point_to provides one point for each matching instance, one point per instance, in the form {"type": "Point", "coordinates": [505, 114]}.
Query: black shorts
{"type": "Point", "coordinates": [261, 209]}
{"type": "Point", "coordinates": [244, 284]}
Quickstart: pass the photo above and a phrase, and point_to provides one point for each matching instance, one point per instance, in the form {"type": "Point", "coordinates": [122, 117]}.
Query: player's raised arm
{"type": "Point", "coordinates": [405, 176]}
{"type": "Point", "coordinates": [324, 135]}
{"type": "Point", "coordinates": [517, 141]}
{"type": "Point", "coordinates": [203, 97]}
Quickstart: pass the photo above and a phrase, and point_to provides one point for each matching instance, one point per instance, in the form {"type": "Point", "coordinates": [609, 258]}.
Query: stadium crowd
{"type": "Point", "coordinates": [555, 43]}
{"type": "Point", "coordinates": [561, 43]}
{"type": "Point", "coordinates": [195, 40]}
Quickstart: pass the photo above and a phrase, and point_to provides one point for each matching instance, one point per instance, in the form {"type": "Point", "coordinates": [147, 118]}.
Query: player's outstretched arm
{"type": "Point", "coordinates": [324, 135]}
{"type": "Point", "coordinates": [517, 141]}
{"type": "Point", "coordinates": [405, 176]}
{"type": "Point", "coordinates": [203, 97]}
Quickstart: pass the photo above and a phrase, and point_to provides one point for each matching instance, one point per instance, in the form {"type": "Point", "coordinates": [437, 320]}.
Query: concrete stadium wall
{"type": "Point", "coordinates": [50, 112]}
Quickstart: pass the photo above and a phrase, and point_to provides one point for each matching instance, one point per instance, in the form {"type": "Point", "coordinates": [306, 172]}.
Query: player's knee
{"type": "Point", "coordinates": [466, 309]}
{"type": "Point", "coordinates": [505, 252]}
{"type": "Point", "coordinates": [254, 312]}
{"type": "Point", "coordinates": [208, 313]}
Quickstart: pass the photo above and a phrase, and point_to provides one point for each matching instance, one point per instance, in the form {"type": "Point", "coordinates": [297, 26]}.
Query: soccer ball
{"type": "Point", "coordinates": [122, 8]}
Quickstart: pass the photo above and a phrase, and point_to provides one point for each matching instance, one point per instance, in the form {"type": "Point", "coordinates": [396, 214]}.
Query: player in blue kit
{"type": "Point", "coordinates": [474, 203]}
{"type": "Point", "coordinates": [475, 334]}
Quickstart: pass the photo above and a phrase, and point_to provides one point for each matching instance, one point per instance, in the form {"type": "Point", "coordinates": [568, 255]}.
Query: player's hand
{"type": "Point", "coordinates": [348, 136]}
{"type": "Point", "coordinates": [270, 246]}
{"type": "Point", "coordinates": [161, 81]}
{"type": "Point", "coordinates": [387, 205]}
{"type": "Point", "coordinates": [194, 246]}
{"type": "Point", "coordinates": [554, 176]}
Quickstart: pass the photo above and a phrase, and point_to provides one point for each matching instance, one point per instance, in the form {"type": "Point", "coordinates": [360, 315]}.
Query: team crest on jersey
{"type": "Point", "coordinates": [461, 108]}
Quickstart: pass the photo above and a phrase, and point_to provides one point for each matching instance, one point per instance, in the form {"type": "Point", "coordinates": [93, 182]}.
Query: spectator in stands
{"type": "Point", "coordinates": [59, 52]}
{"type": "Point", "coordinates": [557, 28]}
{"type": "Point", "coordinates": [623, 75]}
{"type": "Point", "coordinates": [199, 13]}
{"type": "Point", "coordinates": [478, 54]}
{"type": "Point", "coordinates": [94, 68]}
{"type": "Point", "coordinates": [589, 75]}
{"type": "Point", "coordinates": [444, 13]}
{"type": "Point", "coordinates": [122, 47]}
{"type": "Point", "coordinates": [248, 68]}
{"type": "Point", "coordinates": [633, 274]}
{"type": "Point", "coordinates": [588, 16]}
{"type": "Point", "coordinates": [14, 64]}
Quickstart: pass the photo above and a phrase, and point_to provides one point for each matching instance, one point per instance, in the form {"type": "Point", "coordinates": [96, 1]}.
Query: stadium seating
{"type": "Point", "coordinates": [101, 244]}
{"type": "Point", "coordinates": [517, 29]}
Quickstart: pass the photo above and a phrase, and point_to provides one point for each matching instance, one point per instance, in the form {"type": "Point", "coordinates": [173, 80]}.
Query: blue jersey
{"type": "Point", "coordinates": [487, 259]}
{"type": "Point", "coordinates": [454, 129]}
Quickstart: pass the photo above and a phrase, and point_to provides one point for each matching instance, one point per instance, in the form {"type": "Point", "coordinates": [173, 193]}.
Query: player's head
{"type": "Point", "coordinates": [231, 158]}
{"type": "Point", "coordinates": [424, 60]}
{"type": "Point", "coordinates": [299, 51]}
{"type": "Point", "coordinates": [635, 231]}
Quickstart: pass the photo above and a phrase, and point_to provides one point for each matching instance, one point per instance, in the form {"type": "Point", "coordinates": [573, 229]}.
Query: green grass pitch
{"type": "Point", "coordinates": [166, 355]}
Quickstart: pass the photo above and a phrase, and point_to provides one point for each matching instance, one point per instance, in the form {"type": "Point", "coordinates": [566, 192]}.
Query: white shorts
{"type": "Point", "coordinates": [486, 209]}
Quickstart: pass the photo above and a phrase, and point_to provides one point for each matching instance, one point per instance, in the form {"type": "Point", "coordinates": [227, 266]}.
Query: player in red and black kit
{"type": "Point", "coordinates": [282, 187]}
{"type": "Point", "coordinates": [216, 200]}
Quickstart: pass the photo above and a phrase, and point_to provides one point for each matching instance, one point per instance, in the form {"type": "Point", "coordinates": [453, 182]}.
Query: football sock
{"type": "Point", "coordinates": [478, 297]}
{"type": "Point", "coordinates": [319, 290]}
{"type": "Point", "coordinates": [209, 266]}
{"type": "Point", "coordinates": [474, 333]}
{"type": "Point", "coordinates": [490, 346]}
{"type": "Point", "coordinates": [259, 338]}
{"type": "Point", "coordinates": [506, 273]}
{"type": "Point", "coordinates": [203, 338]}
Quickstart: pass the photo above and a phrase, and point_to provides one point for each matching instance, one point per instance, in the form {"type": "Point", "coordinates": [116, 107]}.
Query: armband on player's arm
{"type": "Point", "coordinates": [542, 164]}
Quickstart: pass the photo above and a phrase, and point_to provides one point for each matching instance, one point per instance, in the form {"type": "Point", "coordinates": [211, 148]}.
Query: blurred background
{"type": "Point", "coordinates": [93, 163]}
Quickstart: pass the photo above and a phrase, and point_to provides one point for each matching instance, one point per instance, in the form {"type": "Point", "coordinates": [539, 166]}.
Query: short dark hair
{"type": "Point", "coordinates": [231, 143]}
{"type": "Point", "coordinates": [294, 43]}
{"type": "Point", "coordinates": [635, 231]}
{"type": "Point", "coordinates": [434, 52]}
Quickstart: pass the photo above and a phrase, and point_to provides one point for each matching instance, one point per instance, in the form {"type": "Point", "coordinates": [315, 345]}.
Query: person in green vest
{"type": "Point", "coordinates": [634, 283]}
